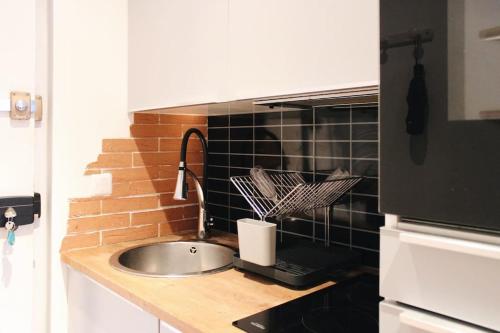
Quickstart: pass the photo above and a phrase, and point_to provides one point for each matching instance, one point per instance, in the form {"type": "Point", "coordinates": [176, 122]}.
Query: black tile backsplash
{"type": "Point", "coordinates": [314, 142]}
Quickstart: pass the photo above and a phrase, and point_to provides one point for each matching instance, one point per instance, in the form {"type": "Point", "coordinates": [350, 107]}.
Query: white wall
{"type": "Point", "coordinates": [17, 68]}
{"type": "Point", "coordinates": [89, 103]}
{"type": "Point", "coordinates": [188, 52]}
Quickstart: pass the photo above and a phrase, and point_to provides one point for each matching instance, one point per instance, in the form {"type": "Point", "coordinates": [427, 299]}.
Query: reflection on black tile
{"type": "Point", "coordinates": [218, 172]}
{"type": "Point", "coordinates": [219, 211]}
{"type": "Point", "coordinates": [217, 198]}
{"type": "Point", "coordinates": [298, 163]}
{"type": "Point", "coordinates": [367, 186]}
{"type": "Point", "coordinates": [298, 226]}
{"type": "Point", "coordinates": [233, 227]}
{"type": "Point", "coordinates": [297, 133]}
{"type": "Point", "coordinates": [218, 185]}
{"type": "Point", "coordinates": [365, 149]}
{"type": "Point", "coordinates": [364, 113]}
{"type": "Point", "coordinates": [244, 161]}
{"type": "Point", "coordinates": [332, 132]}
{"type": "Point", "coordinates": [328, 165]}
{"type": "Point", "coordinates": [340, 235]}
{"type": "Point", "coordinates": [218, 121]}
{"type": "Point", "coordinates": [341, 217]}
{"type": "Point", "coordinates": [299, 117]}
{"type": "Point", "coordinates": [371, 222]}
{"type": "Point", "coordinates": [239, 202]}
{"type": "Point", "coordinates": [236, 214]}
{"type": "Point", "coordinates": [220, 224]}
{"type": "Point", "coordinates": [267, 118]}
{"type": "Point", "coordinates": [369, 258]}
{"type": "Point", "coordinates": [367, 168]}
{"type": "Point", "coordinates": [362, 203]}
{"type": "Point", "coordinates": [268, 162]}
{"type": "Point", "coordinates": [268, 147]}
{"type": "Point", "coordinates": [218, 159]}
{"type": "Point", "coordinates": [218, 146]}
{"type": "Point", "coordinates": [218, 133]}
{"type": "Point", "coordinates": [268, 133]}
{"type": "Point", "coordinates": [365, 132]}
{"type": "Point", "coordinates": [333, 114]}
{"type": "Point", "coordinates": [239, 172]}
{"type": "Point", "coordinates": [301, 148]}
{"type": "Point", "coordinates": [241, 133]}
{"type": "Point", "coordinates": [368, 240]}
{"type": "Point", "coordinates": [245, 119]}
{"type": "Point", "coordinates": [241, 147]}
{"type": "Point", "coordinates": [333, 149]}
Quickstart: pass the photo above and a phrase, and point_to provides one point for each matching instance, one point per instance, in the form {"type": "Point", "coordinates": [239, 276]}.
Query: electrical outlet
{"type": "Point", "coordinates": [20, 105]}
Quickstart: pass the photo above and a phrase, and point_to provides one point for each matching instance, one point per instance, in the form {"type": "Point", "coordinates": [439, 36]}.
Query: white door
{"type": "Point", "coordinates": [23, 265]}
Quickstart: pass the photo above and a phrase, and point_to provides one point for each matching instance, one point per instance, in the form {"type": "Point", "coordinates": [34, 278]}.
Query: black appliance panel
{"type": "Point", "coordinates": [451, 172]}
{"type": "Point", "coordinates": [349, 306]}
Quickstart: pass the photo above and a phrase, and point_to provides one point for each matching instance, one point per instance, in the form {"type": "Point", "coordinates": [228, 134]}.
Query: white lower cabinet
{"type": "Point", "coordinates": [455, 277]}
{"type": "Point", "coordinates": [397, 318]}
{"type": "Point", "coordinates": [166, 328]}
{"type": "Point", "coordinates": [93, 308]}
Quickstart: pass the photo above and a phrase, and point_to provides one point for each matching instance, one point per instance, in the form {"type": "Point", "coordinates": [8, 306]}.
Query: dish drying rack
{"type": "Point", "coordinates": [292, 194]}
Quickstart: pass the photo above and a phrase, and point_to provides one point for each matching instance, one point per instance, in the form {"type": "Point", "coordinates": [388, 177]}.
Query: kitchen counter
{"type": "Point", "coordinates": [208, 303]}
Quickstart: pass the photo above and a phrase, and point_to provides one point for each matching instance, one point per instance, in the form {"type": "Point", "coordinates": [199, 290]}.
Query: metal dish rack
{"type": "Point", "coordinates": [294, 195]}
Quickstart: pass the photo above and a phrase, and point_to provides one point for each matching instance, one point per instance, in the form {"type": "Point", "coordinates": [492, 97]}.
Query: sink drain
{"type": "Point", "coordinates": [193, 250]}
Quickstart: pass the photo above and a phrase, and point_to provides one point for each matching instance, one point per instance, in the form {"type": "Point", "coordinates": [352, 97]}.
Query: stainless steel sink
{"type": "Point", "coordinates": [174, 259]}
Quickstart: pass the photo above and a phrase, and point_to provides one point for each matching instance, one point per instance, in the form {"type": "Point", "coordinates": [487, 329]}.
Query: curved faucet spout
{"type": "Point", "coordinates": [181, 188]}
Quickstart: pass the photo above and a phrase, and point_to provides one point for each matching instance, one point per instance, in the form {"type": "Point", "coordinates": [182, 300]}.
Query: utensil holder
{"type": "Point", "coordinates": [257, 241]}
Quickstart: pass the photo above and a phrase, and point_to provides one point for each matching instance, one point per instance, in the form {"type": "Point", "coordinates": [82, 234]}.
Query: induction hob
{"type": "Point", "coordinates": [346, 307]}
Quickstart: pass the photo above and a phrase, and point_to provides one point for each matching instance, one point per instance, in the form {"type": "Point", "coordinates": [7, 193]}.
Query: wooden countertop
{"type": "Point", "coordinates": [208, 303]}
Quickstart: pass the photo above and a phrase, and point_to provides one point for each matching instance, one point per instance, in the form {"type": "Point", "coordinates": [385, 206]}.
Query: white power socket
{"type": "Point", "coordinates": [100, 184]}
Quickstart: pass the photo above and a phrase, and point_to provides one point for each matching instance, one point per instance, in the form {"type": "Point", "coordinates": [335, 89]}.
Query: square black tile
{"type": "Point", "coordinates": [268, 162]}
{"type": "Point", "coordinates": [365, 113]}
{"type": "Point", "coordinates": [241, 133]}
{"type": "Point", "coordinates": [268, 133]}
{"type": "Point", "coordinates": [364, 132]}
{"type": "Point", "coordinates": [241, 147]}
{"type": "Point", "coordinates": [218, 133]}
{"type": "Point", "coordinates": [333, 149]}
{"type": "Point", "coordinates": [218, 159]}
{"type": "Point", "coordinates": [333, 114]}
{"type": "Point", "coordinates": [300, 148]}
{"type": "Point", "coordinates": [218, 147]}
{"type": "Point", "coordinates": [365, 149]}
{"type": "Point", "coordinates": [299, 117]}
{"type": "Point", "coordinates": [218, 121]}
{"type": "Point", "coordinates": [268, 118]}
{"type": "Point", "coordinates": [268, 147]}
{"type": "Point", "coordinates": [245, 119]}
{"type": "Point", "coordinates": [333, 132]}
{"type": "Point", "coordinates": [297, 132]}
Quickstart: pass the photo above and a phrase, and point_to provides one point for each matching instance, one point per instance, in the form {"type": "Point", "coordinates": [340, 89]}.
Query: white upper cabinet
{"type": "Point", "coordinates": [190, 51]}
{"type": "Point", "coordinates": [177, 52]}
{"type": "Point", "coordinates": [290, 46]}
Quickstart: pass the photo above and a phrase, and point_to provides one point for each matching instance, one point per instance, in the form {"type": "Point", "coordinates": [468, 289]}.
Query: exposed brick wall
{"type": "Point", "coordinates": [144, 171]}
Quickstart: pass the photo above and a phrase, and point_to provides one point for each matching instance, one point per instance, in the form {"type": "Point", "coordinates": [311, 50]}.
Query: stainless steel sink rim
{"type": "Point", "coordinates": [114, 261]}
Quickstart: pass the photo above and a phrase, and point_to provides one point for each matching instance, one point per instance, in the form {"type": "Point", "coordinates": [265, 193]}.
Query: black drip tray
{"type": "Point", "coordinates": [302, 265]}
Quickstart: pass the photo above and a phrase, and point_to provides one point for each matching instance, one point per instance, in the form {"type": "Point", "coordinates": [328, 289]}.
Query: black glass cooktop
{"type": "Point", "coordinates": [350, 306]}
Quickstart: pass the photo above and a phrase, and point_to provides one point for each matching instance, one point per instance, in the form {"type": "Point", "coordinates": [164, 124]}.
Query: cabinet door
{"type": "Point", "coordinates": [281, 46]}
{"type": "Point", "coordinates": [177, 52]}
{"type": "Point", "coordinates": [93, 308]}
